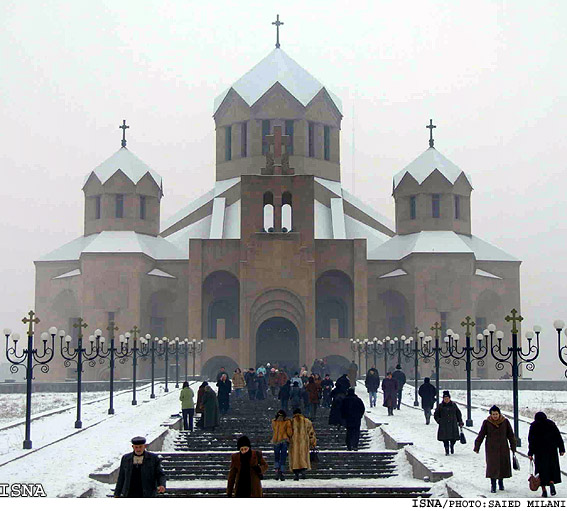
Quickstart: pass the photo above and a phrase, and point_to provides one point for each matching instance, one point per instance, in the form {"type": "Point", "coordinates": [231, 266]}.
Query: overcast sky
{"type": "Point", "coordinates": [491, 74]}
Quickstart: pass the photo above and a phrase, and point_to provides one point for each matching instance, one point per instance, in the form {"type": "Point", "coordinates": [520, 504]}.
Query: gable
{"type": "Point", "coordinates": [322, 109]}
{"type": "Point", "coordinates": [278, 102]}
{"type": "Point", "coordinates": [233, 109]}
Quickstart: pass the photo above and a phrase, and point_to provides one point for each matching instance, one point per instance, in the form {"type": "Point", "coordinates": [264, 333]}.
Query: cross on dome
{"type": "Point", "coordinates": [277, 23]}
{"type": "Point", "coordinates": [123, 128]}
{"type": "Point", "coordinates": [430, 128]}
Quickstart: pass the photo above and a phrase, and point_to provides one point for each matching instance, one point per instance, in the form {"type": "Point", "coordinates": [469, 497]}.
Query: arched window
{"type": "Point", "coordinates": [268, 212]}
{"type": "Point", "coordinates": [287, 212]}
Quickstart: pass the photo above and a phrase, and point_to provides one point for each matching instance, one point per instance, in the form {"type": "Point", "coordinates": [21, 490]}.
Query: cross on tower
{"type": "Point", "coordinates": [436, 328]}
{"type": "Point", "coordinates": [31, 320]}
{"type": "Point", "coordinates": [124, 128]}
{"type": "Point", "coordinates": [277, 23]}
{"type": "Point", "coordinates": [80, 325]}
{"type": "Point", "coordinates": [430, 128]}
{"type": "Point", "coordinates": [468, 323]}
{"type": "Point", "coordinates": [513, 318]}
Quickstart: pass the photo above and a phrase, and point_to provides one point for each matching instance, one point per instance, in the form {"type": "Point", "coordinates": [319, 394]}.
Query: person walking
{"type": "Point", "coordinates": [261, 387]}
{"type": "Point", "coordinates": [297, 378]}
{"type": "Point", "coordinates": [187, 406]}
{"type": "Point", "coordinates": [352, 373]}
{"type": "Point", "coordinates": [251, 386]}
{"type": "Point", "coordinates": [273, 382]}
{"type": "Point", "coordinates": [352, 410]}
{"type": "Point", "coordinates": [400, 377]}
{"type": "Point", "coordinates": [313, 392]}
{"type": "Point", "coordinates": [544, 441]}
{"type": "Point", "coordinates": [282, 431]}
{"type": "Point", "coordinates": [282, 377]}
{"type": "Point", "coordinates": [295, 396]}
{"type": "Point", "coordinates": [372, 384]}
{"type": "Point", "coordinates": [284, 395]}
{"type": "Point", "coordinates": [211, 415]}
{"type": "Point", "coordinates": [225, 388]}
{"type": "Point", "coordinates": [343, 382]}
{"type": "Point", "coordinates": [335, 415]}
{"type": "Point", "coordinates": [450, 419]}
{"type": "Point", "coordinates": [238, 382]}
{"type": "Point", "coordinates": [141, 473]}
{"type": "Point", "coordinates": [302, 439]}
{"type": "Point", "coordinates": [499, 434]}
{"type": "Point", "coordinates": [222, 371]}
{"type": "Point", "coordinates": [390, 390]}
{"type": "Point", "coordinates": [326, 388]}
{"type": "Point", "coordinates": [247, 468]}
{"type": "Point", "coordinates": [428, 393]}
{"type": "Point", "coordinates": [199, 408]}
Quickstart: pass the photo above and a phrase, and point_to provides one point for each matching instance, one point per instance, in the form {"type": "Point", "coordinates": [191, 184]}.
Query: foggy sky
{"type": "Point", "coordinates": [491, 74]}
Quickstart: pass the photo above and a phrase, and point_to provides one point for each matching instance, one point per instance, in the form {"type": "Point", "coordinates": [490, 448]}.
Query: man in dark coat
{"type": "Point", "coordinates": [225, 388]}
{"type": "Point", "coordinates": [544, 440]}
{"type": "Point", "coordinates": [427, 392]}
{"type": "Point", "coordinates": [250, 379]}
{"type": "Point", "coordinates": [352, 373]}
{"type": "Point", "coordinates": [372, 384]}
{"type": "Point", "coordinates": [222, 371]}
{"type": "Point", "coordinates": [141, 474]}
{"type": "Point", "coordinates": [343, 382]}
{"type": "Point", "coordinates": [326, 387]}
{"type": "Point", "coordinates": [498, 432]}
{"type": "Point", "coordinates": [400, 377]}
{"type": "Point", "coordinates": [352, 410]}
{"type": "Point", "coordinates": [284, 394]}
{"type": "Point", "coordinates": [261, 387]}
{"type": "Point", "coordinates": [390, 390]}
{"type": "Point", "coordinates": [335, 415]}
{"type": "Point", "coordinates": [450, 419]}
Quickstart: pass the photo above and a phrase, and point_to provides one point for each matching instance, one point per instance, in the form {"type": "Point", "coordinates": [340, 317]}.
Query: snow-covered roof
{"type": "Point", "coordinates": [428, 161]}
{"type": "Point", "coordinates": [126, 161]}
{"type": "Point", "coordinates": [116, 242]}
{"type": "Point", "coordinates": [442, 242]}
{"type": "Point", "coordinates": [278, 66]}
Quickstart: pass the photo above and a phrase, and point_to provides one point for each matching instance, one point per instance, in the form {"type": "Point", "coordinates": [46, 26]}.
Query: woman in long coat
{"type": "Point", "coordinates": [246, 470]}
{"type": "Point", "coordinates": [498, 433]}
{"type": "Point", "coordinates": [450, 419]}
{"type": "Point", "coordinates": [544, 440]}
{"type": "Point", "coordinates": [302, 439]}
{"type": "Point", "coordinates": [211, 409]}
{"type": "Point", "coordinates": [390, 390]}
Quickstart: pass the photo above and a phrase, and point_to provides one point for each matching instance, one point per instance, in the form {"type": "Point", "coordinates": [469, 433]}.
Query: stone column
{"type": "Point", "coordinates": [360, 274]}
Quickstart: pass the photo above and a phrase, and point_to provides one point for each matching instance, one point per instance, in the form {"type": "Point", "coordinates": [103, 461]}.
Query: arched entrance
{"type": "Point", "coordinates": [277, 341]}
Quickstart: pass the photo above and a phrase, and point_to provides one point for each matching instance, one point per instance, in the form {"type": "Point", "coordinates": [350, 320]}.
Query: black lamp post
{"type": "Point", "coordinates": [134, 352]}
{"type": "Point", "coordinates": [468, 352]}
{"type": "Point", "coordinates": [376, 348]}
{"type": "Point", "coordinates": [428, 350]}
{"type": "Point", "coordinates": [195, 347]}
{"type": "Point", "coordinates": [417, 354]}
{"type": "Point", "coordinates": [177, 345]}
{"type": "Point", "coordinates": [112, 354]}
{"type": "Point", "coordinates": [79, 356]}
{"type": "Point", "coordinates": [561, 350]}
{"type": "Point", "coordinates": [358, 346]}
{"type": "Point", "coordinates": [30, 358]}
{"type": "Point", "coordinates": [399, 347]}
{"type": "Point", "coordinates": [514, 356]}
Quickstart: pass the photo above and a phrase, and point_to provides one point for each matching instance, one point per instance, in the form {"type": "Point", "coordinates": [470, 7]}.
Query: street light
{"type": "Point", "coordinates": [112, 354]}
{"type": "Point", "coordinates": [357, 346]}
{"type": "Point", "coordinates": [195, 348]}
{"type": "Point", "coordinates": [134, 352]}
{"type": "Point", "coordinates": [79, 356]}
{"type": "Point", "coordinates": [29, 358]}
{"type": "Point", "coordinates": [514, 356]}
{"type": "Point", "coordinates": [427, 351]}
{"type": "Point", "coordinates": [376, 348]}
{"type": "Point", "coordinates": [468, 352]}
{"type": "Point", "coordinates": [561, 350]}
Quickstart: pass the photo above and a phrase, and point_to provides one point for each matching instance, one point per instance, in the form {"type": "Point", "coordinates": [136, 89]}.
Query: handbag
{"type": "Point", "coordinates": [515, 462]}
{"type": "Point", "coordinates": [314, 457]}
{"type": "Point", "coordinates": [534, 481]}
{"type": "Point", "coordinates": [462, 437]}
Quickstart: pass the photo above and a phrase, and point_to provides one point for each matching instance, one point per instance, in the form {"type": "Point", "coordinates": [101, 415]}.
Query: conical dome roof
{"type": "Point", "coordinates": [277, 67]}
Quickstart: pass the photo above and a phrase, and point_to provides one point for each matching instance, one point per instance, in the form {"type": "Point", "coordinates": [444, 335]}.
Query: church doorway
{"type": "Point", "coordinates": [277, 341]}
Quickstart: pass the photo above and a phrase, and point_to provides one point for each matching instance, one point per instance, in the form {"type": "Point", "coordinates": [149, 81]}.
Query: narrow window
{"type": "Point", "coordinates": [142, 207]}
{"type": "Point", "coordinates": [243, 140]}
{"type": "Point", "coordinates": [97, 207]}
{"type": "Point", "coordinates": [311, 140]}
{"type": "Point", "coordinates": [435, 200]}
{"type": "Point", "coordinates": [413, 208]}
{"type": "Point", "coordinates": [268, 212]}
{"type": "Point", "coordinates": [120, 206]}
{"type": "Point", "coordinates": [265, 133]}
{"type": "Point", "coordinates": [457, 207]}
{"type": "Point", "coordinates": [228, 143]}
{"type": "Point", "coordinates": [289, 133]}
{"type": "Point", "coordinates": [287, 212]}
{"type": "Point", "coordinates": [327, 142]}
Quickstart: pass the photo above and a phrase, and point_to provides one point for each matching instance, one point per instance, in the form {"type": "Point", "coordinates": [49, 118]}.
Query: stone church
{"type": "Point", "coordinates": [278, 262]}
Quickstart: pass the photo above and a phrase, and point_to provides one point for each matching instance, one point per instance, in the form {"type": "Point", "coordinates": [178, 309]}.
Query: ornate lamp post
{"type": "Point", "coordinates": [185, 351]}
{"type": "Point", "coordinates": [400, 347]}
{"type": "Point", "coordinates": [428, 350]}
{"type": "Point", "coordinates": [176, 347]}
{"type": "Point", "coordinates": [161, 350]}
{"type": "Point", "coordinates": [134, 352]}
{"type": "Point", "coordinates": [561, 350]}
{"type": "Point", "coordinates": [514, 356]}
{"type": "Point", "coordinates": [194, 349]}
{"type": "Point", "coordinates": [112, 353]}
{"type": "Point", "coordinates": [468, 352]}
{"type": "Point", "coordinates": [30, 358]}
{"type": "Point", "coordinates": [357, 346]}
{"type": "Point", "coordinates": [375, 347]}
{"type": "Point", "coordinates": [79, 356]}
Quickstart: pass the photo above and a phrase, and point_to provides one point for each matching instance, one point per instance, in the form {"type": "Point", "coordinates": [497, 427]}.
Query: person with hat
{"type": "Point", "coordinates": [352, 409]}
{"type": "Point", "coordinates": [450, 419]}
{"type": "Point", "coordinates": [141, 473]}
{"type": "Point", "coordinates": [246, 472]}
{"type": "Point", "coordinates": [400, 377]}
{"type": "Point", "coordinates": [428, 394]}
{"type": "Point", "coordinates": [390, 391]}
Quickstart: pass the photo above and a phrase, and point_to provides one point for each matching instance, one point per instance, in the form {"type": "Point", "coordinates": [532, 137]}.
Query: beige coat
{"type": "Point", "coordinates": [282, 430]}
{"type": "Point", "coordinates": [302, 439]}
{"type": "Point", "coordinates": [238, 381]}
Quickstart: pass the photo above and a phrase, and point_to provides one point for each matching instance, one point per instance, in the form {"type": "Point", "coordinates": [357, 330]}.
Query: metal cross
{"type": "Point", "coordinates": [430, 128]}
{"type": "Point", "coordinates": [124, 128]}
{"type": "Point", "coordinates": [468, 323]}
{"type": "Point", "coordinates": [31, 320]}
{"type": "Point", "coordinates": [80, 325]}
{"type": "Point", "coordinates": [437, 328]}
{"type": "Point", "coordinates": [513, 318]}
{"type": "Point", "coordinates": [135, 332]}
{"type": "Point", "coordinates": [112, 328]}
{"type": "Point", "coordinates": [277, 23]}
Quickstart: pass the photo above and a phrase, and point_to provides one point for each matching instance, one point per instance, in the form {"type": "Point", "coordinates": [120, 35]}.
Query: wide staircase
{"type": "Point", "coordinates": [199, 466]}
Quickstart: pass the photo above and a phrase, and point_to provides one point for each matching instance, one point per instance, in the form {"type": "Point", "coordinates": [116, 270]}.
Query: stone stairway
{"type": "Point", "coordinates": [199, 466]}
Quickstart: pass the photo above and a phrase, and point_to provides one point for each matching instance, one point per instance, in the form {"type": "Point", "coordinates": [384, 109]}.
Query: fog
{"type": "Point", "coordinates": [491, 75]}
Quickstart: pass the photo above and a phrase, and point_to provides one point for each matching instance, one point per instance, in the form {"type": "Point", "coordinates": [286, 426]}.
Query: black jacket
{"type": "Point", "coordinates": [427, 393]}
{"type": "Point", "coordinates": [449, 418]}
{"type": "Point", "coordinates": [544, 443]}
{"type": "Point", "coordinates": [326, 386]}
{"type": "Point", "coordinates": [372, 380]}
{"type": "Point", "coordinates": [352, 410]}
{"type": "Point", "coordinates": [400, 377]}
{"type": "Point", "coordinates": [152, 475]}
{"type": "Point", "coordinates": [225, 388]}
